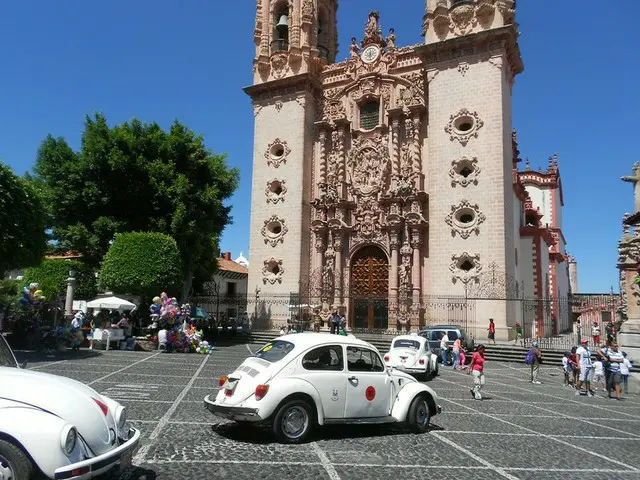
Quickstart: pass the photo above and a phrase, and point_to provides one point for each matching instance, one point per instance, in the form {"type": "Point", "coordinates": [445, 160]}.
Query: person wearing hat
{"type": "Point", "coordinates": [586, 367]}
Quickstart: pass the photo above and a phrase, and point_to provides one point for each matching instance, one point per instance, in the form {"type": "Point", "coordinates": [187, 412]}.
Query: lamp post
{"type": "Point", "coordinates": [68, 304]}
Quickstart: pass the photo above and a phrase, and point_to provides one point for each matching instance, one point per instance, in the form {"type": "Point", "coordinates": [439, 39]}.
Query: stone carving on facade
{"type": "Point", "coordinates": [464, 172]}
{"type": "Point", "coordinates": [354, 48]}
{"type": "Point", "coordinates": [275, 190]}
{"type": "Point", "coordinates": [391, 40]}
{"type": "Point", "coordinates": [307, 10]}
{"type": "Point", "coordinates": [367, 221]}
{"type": "Point", "coordinates": [274, 230]}
{"type": "Point", "coordinates": [463, 68]}
{"type": "Point", "coordinates": [465, 268]}
{"type": "Point", "coordinates": [277, 152]}
{"type": "Point", "coordinates": [463, 126]}
{"type": "Point", "coordinates": [463, 18]}
{"type": "Point", "coordinates": [368, 164]}
{"type": "Point", "coordinates": [413, 92]}
{"type": "Point", "coordinates": [372, 32]}
{"type": "Point", "coordinates": [465, 219]}
{"type": "Point", "coordinates": [279, 66]}
{"type": "Point", "coordinates": [278, 105]}
{"type": "Point", "coordinates": [272, 271]}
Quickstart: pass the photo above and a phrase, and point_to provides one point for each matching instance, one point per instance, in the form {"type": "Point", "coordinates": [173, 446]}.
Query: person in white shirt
{"type": "Point", "coordinates": [566, 368]}
{"type": "Point", "coordinates": [586, 368]}
{"type": "Point", "coordinates": [444, 347]}
{"type": "Point", "coordinates": [162, 339]}
{"type": "Point", "coordinates": [615, 358]}
{"type": "Point", "coordinates": [625, 371]}
{"type": "Point", "coordinates": [598, 373]}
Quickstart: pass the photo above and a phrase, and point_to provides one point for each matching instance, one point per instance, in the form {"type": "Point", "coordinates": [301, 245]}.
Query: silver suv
{"type": "Point", "coordinates": [433, 334]}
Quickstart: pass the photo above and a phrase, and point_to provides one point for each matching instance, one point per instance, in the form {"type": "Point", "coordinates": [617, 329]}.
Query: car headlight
{"type": "Point", "coordinates": [68, 439]}
{"type": "Point", "coordinates": [121, 417]}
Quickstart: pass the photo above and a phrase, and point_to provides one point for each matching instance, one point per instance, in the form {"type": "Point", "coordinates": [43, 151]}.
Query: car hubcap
{"type": "Point", "coordinates": [422, 414]}
{"type": "Point", "coordinates": [5, 469]}
{"type": "Point", "coordinates": [295, 422]}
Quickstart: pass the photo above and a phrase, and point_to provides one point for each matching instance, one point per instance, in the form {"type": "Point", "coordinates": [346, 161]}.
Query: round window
{"type": "Point", "coordinates": [274, 229]}
{"type": "Point", "coordinates": [275, 187]}
{"type": "Point", "coordinates": [464, 124]}
{"type": "Point", "coordinates": [465, 216]}
{"type": "Point", "coordinates": [277, 151]}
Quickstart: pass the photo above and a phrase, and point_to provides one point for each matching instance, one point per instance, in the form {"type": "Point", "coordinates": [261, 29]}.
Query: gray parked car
{"type": "Point", "coordinates": [433, 334]}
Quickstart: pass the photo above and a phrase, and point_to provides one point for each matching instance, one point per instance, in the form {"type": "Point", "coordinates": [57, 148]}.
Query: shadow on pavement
{"type": "Point", "coordinates": [135, 473]}
{"type": "Point", "coordinates": [35, 356]}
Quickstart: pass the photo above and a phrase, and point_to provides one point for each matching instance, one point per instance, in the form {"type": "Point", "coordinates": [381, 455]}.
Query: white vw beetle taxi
{"type": "Point", "coordinates": [58, 427]}
{"type": "Point", "coordinates": [298, 381]}
{"type": "Point", "coordinates": [411, 354]}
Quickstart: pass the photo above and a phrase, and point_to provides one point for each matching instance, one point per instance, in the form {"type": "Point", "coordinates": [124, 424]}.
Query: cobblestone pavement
{"type": "Point", "coordinates": [520, 431]}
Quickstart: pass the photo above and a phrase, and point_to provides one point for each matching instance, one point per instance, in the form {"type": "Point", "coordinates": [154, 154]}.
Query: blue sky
{"type": "Point", "coordinates": [160, 60]}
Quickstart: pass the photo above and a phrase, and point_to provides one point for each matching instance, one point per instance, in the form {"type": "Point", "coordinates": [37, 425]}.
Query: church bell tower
{"type": "Point", "coordinates": [295, 40]}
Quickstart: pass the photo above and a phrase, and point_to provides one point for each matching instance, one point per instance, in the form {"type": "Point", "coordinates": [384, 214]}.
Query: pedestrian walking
{"type": "Point", "coordinates": [575, 364]}
{"type": "Point", "coordinates": [595, 333]}
{"type": "Point", "coordinates": [444, 348]}
{"type": "Point", "coordinates": [492, 331]}
{"type": "Point", "coordinates": [534, 358]}
{"type": "Point", "coordinates": [598, 373]}
{"type": "Point", "coordinates": [625, 371]}
{"type": "Point", "coordinates": [567, 368]}
{"type": "Point", "coordinates": [476, 367]}
{"type": "Point", "coordinates": [457, 347]}
{"type": "Point", "coordinates": [519, 336]}
{"type": "Point", "coordinates": [615, 358]}
{"type": "Point", "coordinates": [335, 322]}
{"type": "Point", "coordinates": [586, 368]}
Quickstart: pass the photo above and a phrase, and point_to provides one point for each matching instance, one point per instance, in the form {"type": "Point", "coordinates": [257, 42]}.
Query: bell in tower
{"type": "Point", "coordinates": [282, 26]}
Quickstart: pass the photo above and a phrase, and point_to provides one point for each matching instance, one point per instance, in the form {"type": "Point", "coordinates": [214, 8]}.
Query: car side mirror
{"type": "Point", "coordinates": [22, 365]}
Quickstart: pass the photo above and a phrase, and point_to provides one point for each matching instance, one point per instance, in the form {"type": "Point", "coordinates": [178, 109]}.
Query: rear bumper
{"type": "Point", "coordinates": [239, 414]}
{"type": "Point", "coordinates": [402, 368]}
{"type": "Point", "coordinates": [98, 465]}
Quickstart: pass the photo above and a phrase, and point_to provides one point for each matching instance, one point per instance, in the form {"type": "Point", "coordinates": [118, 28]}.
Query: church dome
{"type": "Point", "coordinates": [242, 260]}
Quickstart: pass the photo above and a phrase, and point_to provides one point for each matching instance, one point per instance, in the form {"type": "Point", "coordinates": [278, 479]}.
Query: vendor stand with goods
{"type": "Point", "coordinates": [113, 326]}
{"type": "Point", "coordinates": [173, 328]}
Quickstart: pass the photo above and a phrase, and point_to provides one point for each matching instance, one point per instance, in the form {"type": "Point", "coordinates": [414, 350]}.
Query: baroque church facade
{"type": "Point", "coordinates": [386, 186]}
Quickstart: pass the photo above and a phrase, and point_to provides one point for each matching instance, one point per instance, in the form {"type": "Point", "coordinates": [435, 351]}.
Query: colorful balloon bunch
{"type": "Point", "coordinates": [31, 296]}
{"type": "Point", "coordinates": [204, 348]}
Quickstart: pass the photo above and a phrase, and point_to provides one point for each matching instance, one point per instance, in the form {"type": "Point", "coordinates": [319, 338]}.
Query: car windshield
{"type": "Point", "coordinates": [275, 351]}
{"type": "Point", "coordinates": [407, 344]}
{"type": "Point", "coordinates": [6, 355]}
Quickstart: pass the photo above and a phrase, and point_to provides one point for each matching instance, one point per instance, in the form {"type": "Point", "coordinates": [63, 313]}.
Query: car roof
{"type": "Point", "coordinates": [441, 327]}
{"type": "Point", "coordinates": [415, 337]}
{"type": "Point", "coordinates": [306, 340]}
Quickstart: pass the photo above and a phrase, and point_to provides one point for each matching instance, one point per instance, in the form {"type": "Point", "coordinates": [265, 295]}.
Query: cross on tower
{"type": "Point", "coordinates": [635, 179]}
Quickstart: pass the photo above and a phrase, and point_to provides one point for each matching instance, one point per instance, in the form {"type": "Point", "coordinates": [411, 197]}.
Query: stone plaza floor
{"type": "Point", "coordinates": [519, 431]}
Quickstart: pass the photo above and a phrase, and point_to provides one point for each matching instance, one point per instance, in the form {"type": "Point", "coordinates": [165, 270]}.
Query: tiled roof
{"type": "Point", "coordinates": [231, 266]}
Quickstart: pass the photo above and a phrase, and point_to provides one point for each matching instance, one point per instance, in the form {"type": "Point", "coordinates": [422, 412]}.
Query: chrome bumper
{"type": "Point", "coordinates": [230, 412]}
{"type": "Point", "coordinates": [95, 466]}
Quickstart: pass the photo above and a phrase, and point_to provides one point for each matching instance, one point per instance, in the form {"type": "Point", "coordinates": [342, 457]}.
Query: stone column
{"type": "Point", "coordinates": [342, 174]}
{"type": "Point", "coordinates": [415, 151]}
{"type": "Point", "coordinates": [395, 142]}
{"type": "Point", "coordinates": [320, 249]}
{"type": "Point", "coordinates": [322, 138]}
{"type": "Point", "coordinates": [393, 274]}
{"type": "Point", "coordinates": [337, 245]}
{"type": "Point", "coordinates": [68, 303]}
{"type": "Point", "coordinates": [416, 270]}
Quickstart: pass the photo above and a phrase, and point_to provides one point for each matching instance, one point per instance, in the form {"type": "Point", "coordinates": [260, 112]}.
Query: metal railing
{"type": "Point", "coordinates": [279, 45]}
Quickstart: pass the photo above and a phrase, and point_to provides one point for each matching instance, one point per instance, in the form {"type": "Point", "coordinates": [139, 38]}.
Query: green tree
{"type": "Point", "coordinates": [136, 177]}
{"type": "Point", "coordinates": [22, 222]}
{"type": "Point", "coordinates": [142, 264]}
{"type": "Point", "coordinates": [52, 276]}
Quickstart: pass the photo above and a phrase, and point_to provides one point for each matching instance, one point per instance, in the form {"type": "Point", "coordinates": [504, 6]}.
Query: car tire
{"type": "Point", "coordinates": [15, 461]}
{"type": "Point", "coordinates": [418, 417]}
{"type": "Point", "coordinates": [293, 421]}
{"type": "Point", "coordinates": [436, 372]}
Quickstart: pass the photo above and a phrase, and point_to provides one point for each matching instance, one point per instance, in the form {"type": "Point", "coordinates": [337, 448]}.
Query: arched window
{"type": "Point", "coordinates": [369, 115]}
{"type": "Point", "coordinates": [280, 41]}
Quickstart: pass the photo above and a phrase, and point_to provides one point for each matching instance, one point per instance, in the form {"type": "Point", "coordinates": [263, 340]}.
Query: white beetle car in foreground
{"type": "Point", "coordinates": [298, 381]}
{"type": "Point", "coordinates": [411, 354]}
{"type": "Point", "coordinates": [58, 427]}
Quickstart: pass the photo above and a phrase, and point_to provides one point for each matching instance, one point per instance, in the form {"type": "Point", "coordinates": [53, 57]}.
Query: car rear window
{"type": "Point", "coordinates": [407, 344]}
{"type": "Point", "coordinates": [274, 351]}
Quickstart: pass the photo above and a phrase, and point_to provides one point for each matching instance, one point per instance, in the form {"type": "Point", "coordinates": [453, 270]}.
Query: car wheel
{"type": "Point", "coordinates": [436, 372]}
{"type": "Point", "coordinates": [419, 417]}
{"type": "Point", "coordinates": [293, 422]}
{"type": "Point", "coordinates": [14, 464]}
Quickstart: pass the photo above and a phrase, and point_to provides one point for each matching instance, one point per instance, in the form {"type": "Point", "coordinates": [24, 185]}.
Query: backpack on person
{"type": "Point", "coordinates": [531, 357]}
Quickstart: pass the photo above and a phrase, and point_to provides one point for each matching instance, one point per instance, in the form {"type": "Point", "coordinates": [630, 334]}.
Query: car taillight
{"type": "Point", "coordinates": [386, 358]}
{"type": "Point", "coordinates": [421, 361]}
{"type": "Point", "coordinates": [223, 379]}
{"type": "Point", "coordinates": [261, 391]}
{"type": "Point", "coordinates": [102, 406]}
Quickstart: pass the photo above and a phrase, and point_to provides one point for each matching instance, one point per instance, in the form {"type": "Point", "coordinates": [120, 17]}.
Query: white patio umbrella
{"type": "Point", "coordinates": [111, 303]}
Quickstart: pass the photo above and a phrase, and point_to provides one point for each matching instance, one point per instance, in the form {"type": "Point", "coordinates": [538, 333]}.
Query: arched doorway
{"type": "Point", "coordinates": [369, 289]}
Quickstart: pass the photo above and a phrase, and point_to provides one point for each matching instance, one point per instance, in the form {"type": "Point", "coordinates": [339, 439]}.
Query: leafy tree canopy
{"type": "Point", "coordinates": [135, 177]}
{"type": "Point", "coordinates": [22, 222]}
{"type": "Point", "coordinates": [52, 276]}
{"type": "Point", "coordinates": [142, 264]}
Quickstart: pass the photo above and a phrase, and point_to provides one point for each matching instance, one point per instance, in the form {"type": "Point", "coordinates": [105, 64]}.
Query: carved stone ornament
{"type": "Point", "coordinates": [465, 268]}
{"type": "Point", "coordinates": [368, 164]}
{"type": "Point", "coordinates": [277, 152]}
{"type": "Point", "coordinates": [272, 271]}
{"type": "Point", "coordinates": [275, 190]}
{"type": "Point", "coordinates": [367, 218]}
{"type": "Point", "coordinates": [413, 93]}
{"type": "Point", "coordinates": [463, 126]}
{"type": "Point", "coordinates": [463, 68]}
{"type": "Point", "coordinates": [278, 105]}
{"type": "Point", "coordinates": [465, 219]}
{"type": "Point", "coordinates": [274, 230]}
{"type": "Point", "coordinates": [332, 109]}
{"type": "Point", "coordinates": [464, 172]}
{"type": "Point", "coordinates": [279, 65]}
{"type": "Point", "coordinates": [307, 9]}
{"type": "Point", "coordinates": [463, 18]}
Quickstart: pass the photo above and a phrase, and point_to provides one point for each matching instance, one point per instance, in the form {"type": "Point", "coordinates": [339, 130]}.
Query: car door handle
{"type": "Point", "coordinates": [353, 379]}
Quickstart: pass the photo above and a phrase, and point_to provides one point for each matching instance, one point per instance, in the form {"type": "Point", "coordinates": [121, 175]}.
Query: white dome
{"type": "Point", "coordinates": [242, 260]}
